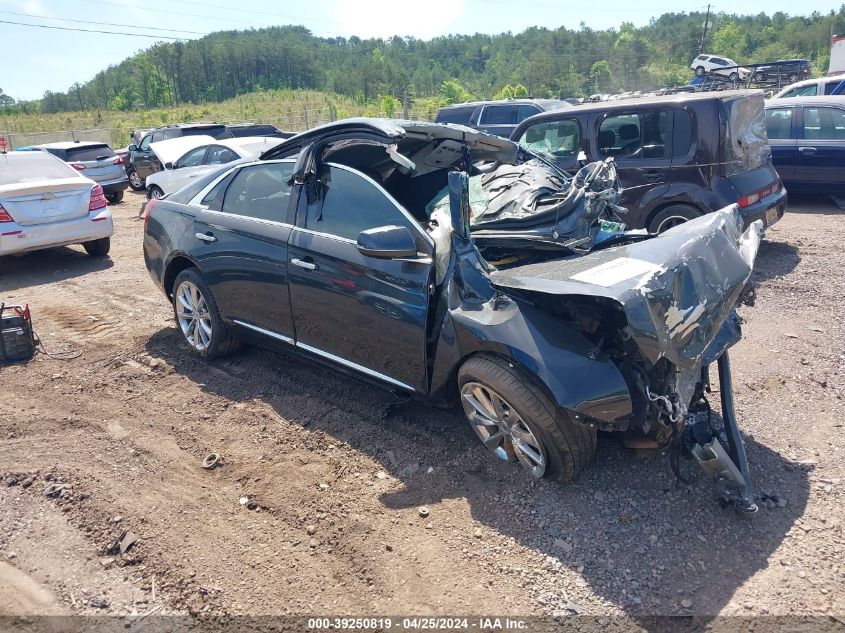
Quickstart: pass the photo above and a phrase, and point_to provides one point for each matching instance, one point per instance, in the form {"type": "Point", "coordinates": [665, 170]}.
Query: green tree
{"type": "Point", "coordinates": [601, 75]}
{"type": "Point", "coordinates": [520, 92]}
{"type": "Point", "coordinates": [452, 91]}
{"type": "Point", "coordinates": [729, 41]}
{"type": "Point", "coordinates": [505, 93]}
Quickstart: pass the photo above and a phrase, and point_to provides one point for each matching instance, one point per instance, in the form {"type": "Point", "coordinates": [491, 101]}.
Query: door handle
{"type": "Point", "coordinates": [205, 237]}
{"type": "Point", "coordinates": [807, 150]}
{"type": "Point", "coordinates": [303, 264]}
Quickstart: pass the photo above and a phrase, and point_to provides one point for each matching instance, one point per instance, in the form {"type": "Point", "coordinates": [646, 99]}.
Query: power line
{"type": "Point", "coordinates": [68, 28]}
{"type": "Point", "coordinates": [146, 28]}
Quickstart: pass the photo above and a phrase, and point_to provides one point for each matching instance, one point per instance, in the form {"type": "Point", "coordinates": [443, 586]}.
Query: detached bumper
{"type": "Point", "coordinates": [16, 238]}
{"type": "Point", "coordinates": [770, 209]}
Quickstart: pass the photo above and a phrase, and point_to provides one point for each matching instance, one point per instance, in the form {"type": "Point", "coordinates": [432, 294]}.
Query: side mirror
{"type": "Point", "coordinates": [387, 242]}
{"type": "Point", "coordinates": [132, 148]}
{"type": "Point", "coordinates": [170, 166]}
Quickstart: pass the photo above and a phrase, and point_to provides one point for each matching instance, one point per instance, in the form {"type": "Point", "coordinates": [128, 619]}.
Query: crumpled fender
{"type": "Point", "coordinates": [677, 290]}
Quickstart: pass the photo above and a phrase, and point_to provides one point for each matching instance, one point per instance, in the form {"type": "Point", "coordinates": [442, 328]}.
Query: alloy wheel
{"type": "Point", "coordinates": [502, 429]}
{"type": "Point", "coordinates": [193, 316]}
{"type": "Point", "coordinates": [135, 179]}
{"type": "Point", "coordinates": [156, 193]}
{"type": "Point", "coordinates": [671, 222]}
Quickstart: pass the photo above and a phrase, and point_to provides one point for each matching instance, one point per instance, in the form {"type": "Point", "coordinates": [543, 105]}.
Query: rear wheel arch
{"type": "Point", "coordinates": [688, 207]}
{"type": "Point", "coordinates": [174, 267]}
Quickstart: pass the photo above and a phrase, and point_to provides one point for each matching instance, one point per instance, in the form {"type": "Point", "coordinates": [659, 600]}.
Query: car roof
{"type": "Point", "coordinates": [794, 101]}
{"type": "Point", "coordinates": [70, 144]}
{"type": "Point", "coordinates": [240, 141]}
{"type": "Point", "coordinates": [623, 104]}
{"type": "Point", "coordinates": [467, 104]}
{"type": "Point", "coordinates": [804, 82]}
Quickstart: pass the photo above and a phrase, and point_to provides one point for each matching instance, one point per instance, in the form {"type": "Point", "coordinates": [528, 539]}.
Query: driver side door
{"type": "Point", "coordinates": [366, 313]}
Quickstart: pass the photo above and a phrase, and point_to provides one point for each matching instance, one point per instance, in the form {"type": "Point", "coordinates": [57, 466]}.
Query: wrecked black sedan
{"type": "Point", "coordinates": [454, 266]}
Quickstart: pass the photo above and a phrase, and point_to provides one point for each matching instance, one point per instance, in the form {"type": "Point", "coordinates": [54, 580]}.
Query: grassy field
{"type": "Point", "coordinates": [293, 110]}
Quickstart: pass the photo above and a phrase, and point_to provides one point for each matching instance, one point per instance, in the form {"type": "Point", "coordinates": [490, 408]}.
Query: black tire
{"type": "Point", "coordinates": [793, 78]}
{"type": "Point", "coordinates": [98, 248]}
{"type": "Point", "coordinates": [568, 445]}
{"type": "Point", "coordinates": [222, 342]}
{"type": "Point", "coordinates": [672, 216]}
{"type": "Point", "coordinates": [154, 191]}
{"type": "Point", "coordinates": [699, 71]}
{"type": "Point", "coordinates": [136, 183]}
{"type": "Point", "coordinates": [115, 198]}
{"type": "Point", "coordinates": [734, 77]}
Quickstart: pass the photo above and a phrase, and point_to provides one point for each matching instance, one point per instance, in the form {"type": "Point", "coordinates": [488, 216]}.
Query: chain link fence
{"type": "Point", "coordinates": [290, 121]}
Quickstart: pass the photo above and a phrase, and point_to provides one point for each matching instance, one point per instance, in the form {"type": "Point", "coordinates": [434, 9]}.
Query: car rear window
{"type": "Point", "coordinates": [89, 152]}
{"type": "Point", "coordinates": [254, 130]}
{"type": "Point", "coordinates": [18, 167]}
{"type": "Point", "coordinates": [454, 115]}
{"type": "Point", "coordinates": [746, 141]}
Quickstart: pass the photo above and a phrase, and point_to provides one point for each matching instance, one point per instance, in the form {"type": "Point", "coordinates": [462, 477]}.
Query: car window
{"type": "Point", "coordinates": [455, 115]}
{"type": "Point", "coordinates": [824, 123]}
{"type": "Point", "coordinates": [702, 58]}
{"type": "Point", "coordinates": [718, 61]}
{"type": "Point", "coordinates": [30, 166]}
{"type": "Point", "coordinates": [779, 122]}
{"type": "Point", "coordinates": [145, 142]}
{"type": "Point", "coordinates": [219, 155]}
{"type": "Point", "coordinates": [553, 139]}
{"type": "Point", "coordinates": [634, 135]}
{"type": "Point", "coordinates": [169, 133]}
{"type": "Point", "coordinates": [192, 158]}
{"type": "Point", "coordinates": [89, 152]}
{"type": "Point", "coordinates": [830, 86]}
{"type": "Point", "coordinates": [802, 91]}
{"type": "Point", "coordinates": [498, 115]}
{"type": "Point", "coordinates": [260, 191]}
{"type": "Point", "coordinates": [682, 133]}
{"type": "Point", "coordinates": [349, 204]}
{"type": "Point", "coordinates": [524, 111]}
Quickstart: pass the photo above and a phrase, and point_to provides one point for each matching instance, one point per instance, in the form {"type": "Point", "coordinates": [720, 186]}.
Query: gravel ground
{"type": "Point", "coordinates": [332, 521]}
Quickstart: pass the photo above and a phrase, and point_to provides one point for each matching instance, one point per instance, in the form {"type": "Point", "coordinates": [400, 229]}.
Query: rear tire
{"type": "Point", "coordinates": [565, 447]}
{"type": "Point", "coordinates": [672, 216]}
{"type": "Point", "coordinates": [98, 248]}
{"type": "Point", "coordinates": [699, 71]}
{"type": "Point", "coordinates": [115, 198]}
{"type": "Point", "coordinates": [136, 183]}
{"type": "Point", "coordinates": [734, 77]}
{"type": "Point", "coordinates": [198, 318]}
{"type": "Point", "coordinates": [154, 191]}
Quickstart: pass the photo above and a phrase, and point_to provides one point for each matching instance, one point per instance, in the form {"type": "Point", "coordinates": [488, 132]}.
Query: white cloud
{"type": "Point", "coordinates": [385, 18]}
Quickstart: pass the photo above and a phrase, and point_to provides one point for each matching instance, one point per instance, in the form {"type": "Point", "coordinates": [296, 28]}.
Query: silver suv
{"type": "Point", "coordinates": [96, 161]}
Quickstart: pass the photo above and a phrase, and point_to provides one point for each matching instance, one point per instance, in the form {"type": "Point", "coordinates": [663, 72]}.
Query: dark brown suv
{"type": "Point", "coordinates": [678, 157]}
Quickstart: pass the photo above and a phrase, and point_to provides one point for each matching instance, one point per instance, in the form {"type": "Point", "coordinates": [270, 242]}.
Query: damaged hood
{"type": "Point", "coordinates": [676, 290]}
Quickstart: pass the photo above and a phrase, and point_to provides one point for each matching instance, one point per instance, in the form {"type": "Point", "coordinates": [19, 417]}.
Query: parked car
{"type": "Point", "coordinates": [257, 129]}
{"type": "Point", "coordinates": [450, 265]}
{"type": "Point", "coordinates": [704, 64]}
{"type": "Point", "coordinates": [810, 88]}
{"type": "Point", "coordinates": [496, 117]}
{"type": "Point", "coordinates": [44, 202]}
{"type": "Point", "coordinates": [678, 156]}
{"type": "Point", "coordinates": [190, 157]}
{"type": "Point", "coordinates": [807, 137]}
{"type": "Point", "coordinates": [142, 160]}
{"type": "Point", "coordinates": [96, 161]}
{"type": "Point", "coordinates": [784, 70]}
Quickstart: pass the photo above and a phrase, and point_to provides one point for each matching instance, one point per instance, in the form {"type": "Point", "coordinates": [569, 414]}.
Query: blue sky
{"type": "Point", "coordinates": [46, 59]}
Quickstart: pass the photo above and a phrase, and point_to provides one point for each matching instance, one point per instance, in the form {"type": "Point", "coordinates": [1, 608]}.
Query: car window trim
{"type": "Point", "coordinates": [413, 221]}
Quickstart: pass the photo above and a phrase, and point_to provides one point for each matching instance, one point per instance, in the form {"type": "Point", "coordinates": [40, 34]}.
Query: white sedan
{"type": "Point", "coordinates": [44, 202]}
{"type": "Point", "coordinates": [190, 157]}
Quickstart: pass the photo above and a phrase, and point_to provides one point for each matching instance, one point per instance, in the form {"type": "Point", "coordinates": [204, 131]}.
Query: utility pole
{"type": "Point", "coordinates": [704, 31]}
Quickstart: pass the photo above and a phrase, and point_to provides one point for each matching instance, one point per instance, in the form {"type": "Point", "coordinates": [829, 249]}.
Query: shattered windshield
{"type": "Point", "coordinates": [553, 140]}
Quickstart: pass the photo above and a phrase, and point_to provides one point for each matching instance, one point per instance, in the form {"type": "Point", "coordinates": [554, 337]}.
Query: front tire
{"type": "Point", "coordinates": [516, 420]}
{"type": "Point", "coordinates": [98, 248]}
{"type": "Point", "coordinates": [699, 71]}
{"type": "Point", "coordinates": [136, 183]}
{"type": "Point", "coordinates": [154, 191]}
{"type": "Point", "coordinates": [199, 319]}
{"type": "Point", "coordinates": [672, 216]}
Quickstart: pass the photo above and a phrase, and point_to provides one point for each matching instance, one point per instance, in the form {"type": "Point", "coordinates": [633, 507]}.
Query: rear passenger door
{"type": "Point", "coordinates": [639, 143]}
{"type": "Point", "coordinates": [821, 148]}
{"type": "Point", "coordinates": [780, 128]}
{"type": "Point", "coordinates": [241, 247]}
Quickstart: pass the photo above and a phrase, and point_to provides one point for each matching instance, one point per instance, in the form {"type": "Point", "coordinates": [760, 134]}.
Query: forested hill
{"type": "Point", "coordinates": [547, 61]}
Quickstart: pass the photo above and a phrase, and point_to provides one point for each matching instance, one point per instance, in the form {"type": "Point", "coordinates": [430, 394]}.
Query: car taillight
{"type": "Point", "coordinates": [98, 199]}
{"type": "Point", "coordinates": [4, 215]}
{"type": "Point", "coordinates": [753, 198]}
{"type": "Point", "coordinates": [119, 161]}
{"type": "Point", "coordinates": [77, 166]}
{"type": "Point", "coordinates": [151, 203]}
